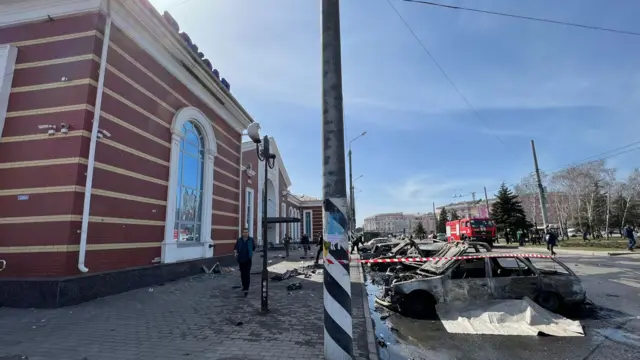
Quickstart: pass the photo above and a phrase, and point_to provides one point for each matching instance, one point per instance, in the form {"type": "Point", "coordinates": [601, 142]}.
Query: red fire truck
{"type": "Point", "coordinates": [472, 229]}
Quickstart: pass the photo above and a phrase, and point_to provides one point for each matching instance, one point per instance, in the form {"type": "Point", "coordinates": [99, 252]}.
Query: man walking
{"type": "Point", "coordinates": [628, 233]}
{"type": "Point", "coordinates": [355, 244]}
{"type": "Point", "coordinates": [319, 243]}
{"type": "Point", "coordinates": [243, 251]}
{"type": "Point", "coordinates": [304, 240]}
{"type": "Point", "coordinates": [287, 243]}
{"type": "Point", "coordinates": [552, 241]}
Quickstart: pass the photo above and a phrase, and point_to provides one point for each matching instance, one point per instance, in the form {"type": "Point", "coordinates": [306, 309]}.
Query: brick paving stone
{"type": "Point", "coordinates": [193, 318]}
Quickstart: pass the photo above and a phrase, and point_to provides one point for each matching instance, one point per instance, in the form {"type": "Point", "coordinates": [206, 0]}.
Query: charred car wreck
{"type": "Point", "coordinates": [475, 275]}
{"type": "Point", "coordinates": [404, 249]}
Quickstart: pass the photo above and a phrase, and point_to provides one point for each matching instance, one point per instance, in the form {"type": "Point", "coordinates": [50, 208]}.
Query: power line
{"type": "Point", "coordinates": [444, 73]}
{"type": "Point", "coordinates": [620, 151]}
{"type": "Point", "coordinates": [522, 17]}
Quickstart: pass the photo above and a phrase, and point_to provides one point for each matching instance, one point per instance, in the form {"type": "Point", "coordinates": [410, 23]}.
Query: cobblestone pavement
{"type": "Point", "coordinates": [201, 317]}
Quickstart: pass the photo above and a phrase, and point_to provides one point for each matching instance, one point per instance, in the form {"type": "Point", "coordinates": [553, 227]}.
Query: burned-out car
{"type": "Point", "coordinates": [407, 248]}
{"type": "Point", "coordinates": [380, 249]}
{"type": "Point", "coordinates": [368, 246]}
{"type": "Point", "coordinates": [463, 276]}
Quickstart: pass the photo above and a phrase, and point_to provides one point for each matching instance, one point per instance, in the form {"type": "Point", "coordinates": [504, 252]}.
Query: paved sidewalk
{"type": "Point", "coordinates": [201, 317]}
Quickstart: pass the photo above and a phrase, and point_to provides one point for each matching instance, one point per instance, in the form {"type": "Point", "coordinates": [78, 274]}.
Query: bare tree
{"type": "Point", "coordinates": [630, 193]}
{"type": "Point", "coordinates": [527, 189]}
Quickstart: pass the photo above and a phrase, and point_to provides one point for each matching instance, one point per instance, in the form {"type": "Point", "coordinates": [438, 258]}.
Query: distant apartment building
{"type": "Point", "coordinates": [399, 222]}
{"type": "Point", "coordinates": [530, 204]}
{"type": "Point", "coordinates": [467, 209]}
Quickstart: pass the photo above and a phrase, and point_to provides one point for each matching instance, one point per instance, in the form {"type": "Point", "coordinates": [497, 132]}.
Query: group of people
{"type": "Point", "coordinates": [318, 240]}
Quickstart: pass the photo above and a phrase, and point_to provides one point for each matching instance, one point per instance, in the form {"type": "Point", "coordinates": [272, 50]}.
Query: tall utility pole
{"type": "Point", "coordinates": [486, 202]}
{"type": "Point", "coordinates": [608, 209]}
{"type": "Point", "coordinates": [543, 200]}
{"type": "Point", "coordinates": [352, 210]}
{"type": "Point", "coordinates": [435, 218]}
{"type": "Point", "coordinates": [352, 198]}
{"type": "Point", "coordinates": [338, 326]}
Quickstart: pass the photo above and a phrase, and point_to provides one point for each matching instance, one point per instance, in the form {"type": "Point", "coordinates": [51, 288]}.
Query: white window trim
{"type": "Point", "coordinates": [173, 251]}
{"type": "Point", "coordinates": [8, 54]}
{"type": "Point", "coordinates": [246, 209]}
{"type": "Point", "coordinates": [304, 223]}
{"type": "Point", "coordinates": [283, 213]}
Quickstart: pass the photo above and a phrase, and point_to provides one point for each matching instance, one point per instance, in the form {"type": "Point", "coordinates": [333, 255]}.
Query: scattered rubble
{"type": "Point", "coordinates": [294, 286]}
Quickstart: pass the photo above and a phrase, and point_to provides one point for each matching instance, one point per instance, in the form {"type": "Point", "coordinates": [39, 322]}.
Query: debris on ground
{"type": "Point", "coordinates": [294, 286]}
{"type": "Point", "coordinates": [285, 275]}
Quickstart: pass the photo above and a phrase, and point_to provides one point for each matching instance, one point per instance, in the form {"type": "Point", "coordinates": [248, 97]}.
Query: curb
{"type": "Point", "coordinates": [371, 336]}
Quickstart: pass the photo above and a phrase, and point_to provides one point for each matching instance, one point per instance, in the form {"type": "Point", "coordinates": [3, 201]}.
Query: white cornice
{"type": "Point", "coordinates": [157, 27]}
{"type": "Point", "coordinates": [310, 203]}
{"type": "Point", "coordinates": [148, 28]}
{"type": "Point", "coordinates": [19, 11]}
{"type": "Point", "coordinates": [250, 146]}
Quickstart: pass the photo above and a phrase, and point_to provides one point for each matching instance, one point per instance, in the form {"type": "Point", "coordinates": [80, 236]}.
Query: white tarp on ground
{"type": "Point", "coordinates": [506, 317]}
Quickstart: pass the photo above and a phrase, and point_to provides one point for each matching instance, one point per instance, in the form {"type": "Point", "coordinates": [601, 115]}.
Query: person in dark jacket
{"type": "Point", "coordinates": [243, 251]}
{"type": "Point", "coordinates": [304, 240]}
{"type": "Point", "coordinates": [319, 243]}
{"type": "Point", "coordinates": [355, 244]}
{"type": "Point", "coordinates": [628, 233]}
{"type": "Point", "coordinates": [287, 244]}
{"type": "Point", "coordinates": [552, 241]}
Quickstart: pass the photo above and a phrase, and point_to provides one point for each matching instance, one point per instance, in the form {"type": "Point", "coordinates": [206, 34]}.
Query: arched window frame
{"type": "Point", "coordinates": [172, 250]}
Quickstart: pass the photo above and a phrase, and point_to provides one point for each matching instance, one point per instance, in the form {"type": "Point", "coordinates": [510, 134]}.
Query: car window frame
{"type": "Point", "coordinates": [532, 267]}
{"type": "Point", "coordinates": [457, 263]}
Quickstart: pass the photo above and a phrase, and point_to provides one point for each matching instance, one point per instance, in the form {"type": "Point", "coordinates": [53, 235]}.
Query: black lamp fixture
{"type": "Point", "coordinates": [264, 154]}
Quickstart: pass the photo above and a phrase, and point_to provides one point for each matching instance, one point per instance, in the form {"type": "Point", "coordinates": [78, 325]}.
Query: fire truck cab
{"type": "Point", "coordinates": [472, 229]}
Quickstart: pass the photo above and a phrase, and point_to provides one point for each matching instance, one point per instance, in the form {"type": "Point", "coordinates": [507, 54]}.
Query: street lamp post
{"type": "Point", "coordinates": [352, 212]}
{"type": "Point", "coordinates": [264, 154]}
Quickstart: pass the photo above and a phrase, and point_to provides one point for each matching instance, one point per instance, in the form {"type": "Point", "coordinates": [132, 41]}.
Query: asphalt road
{"type": "Point", "coordinates": [612, 326]}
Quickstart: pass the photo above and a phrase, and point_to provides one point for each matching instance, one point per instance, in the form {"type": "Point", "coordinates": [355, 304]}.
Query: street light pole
{"type": "Point", "coordinates": [352, 199]}
{"type": "Point", "coordinates": [338, 325]}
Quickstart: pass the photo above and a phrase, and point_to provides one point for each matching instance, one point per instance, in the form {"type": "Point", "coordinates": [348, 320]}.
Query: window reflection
{"type": "Point", "coordinates": [189, 195]}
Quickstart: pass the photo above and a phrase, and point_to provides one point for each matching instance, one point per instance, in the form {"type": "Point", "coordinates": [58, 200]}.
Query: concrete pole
{"type": "Point", "coordinates": [543, 200]}
{"type": "Point", "coordinates": [486, 202]}
{"type": "Point", "coordinates": [338, 326]}
{"type": "Point", "coordinates": [352, 211]}
{"type": "Point", "coordinates": [608, 210]}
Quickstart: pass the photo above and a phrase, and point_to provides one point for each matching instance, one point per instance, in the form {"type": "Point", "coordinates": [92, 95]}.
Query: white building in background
{"type": "Point", "coordinates": [467, 209]}
{"type": "Point", "coordinates": [399, 222]}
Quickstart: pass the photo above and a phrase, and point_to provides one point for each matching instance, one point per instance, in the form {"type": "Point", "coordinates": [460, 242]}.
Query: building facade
{"type": "Point", "coordinates": [468, 209]}
{"type": "Point", "coordinates": [281, 202]}
{"type": "Point", "coordinates": [166, 159]}
{"type": "Point", "coordinates": [398, 223]}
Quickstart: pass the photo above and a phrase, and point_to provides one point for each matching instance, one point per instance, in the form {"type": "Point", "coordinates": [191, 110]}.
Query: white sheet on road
{"type": "Point", "coordinates": [505, 317]}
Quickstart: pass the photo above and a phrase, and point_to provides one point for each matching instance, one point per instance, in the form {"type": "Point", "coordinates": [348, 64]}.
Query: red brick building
{"type": "Point", "coordinates": [280, 201]}
{"type": "Point", "coordinates": [168, 153]}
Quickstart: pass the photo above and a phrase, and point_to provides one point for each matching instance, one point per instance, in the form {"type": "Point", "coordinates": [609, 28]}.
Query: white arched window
{"type": "Point", "coordinates": [190, 188]}
{"type": "Point", "coordinates": [290, 226]}
{"type": "Point", "coordinates": [188, 212]}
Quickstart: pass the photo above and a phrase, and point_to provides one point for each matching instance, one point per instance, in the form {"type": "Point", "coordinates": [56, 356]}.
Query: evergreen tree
{"type": "Point", "coordinates": [454, 215]}
{"type": "Point", "coordinates": [420, 231]}
{"type": "Point", "coordinates": [507, 211]}
{"type": "Point", "coordinates": [442, 221]}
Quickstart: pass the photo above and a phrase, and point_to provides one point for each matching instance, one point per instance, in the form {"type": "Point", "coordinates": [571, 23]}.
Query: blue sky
{"type": "Point", "coordinates": [574, 91]}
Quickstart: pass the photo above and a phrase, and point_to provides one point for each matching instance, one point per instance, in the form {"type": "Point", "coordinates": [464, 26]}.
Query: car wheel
{"type": "Point", "coordinates": [548, 300]}
{"type": "Point", "coordinates": [418, 304]}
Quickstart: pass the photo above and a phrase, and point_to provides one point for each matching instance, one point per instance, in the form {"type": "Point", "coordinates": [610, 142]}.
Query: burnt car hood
{"type": "Point", "coordinates": [438, 267]}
